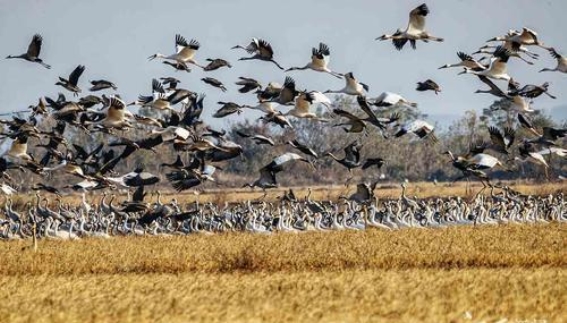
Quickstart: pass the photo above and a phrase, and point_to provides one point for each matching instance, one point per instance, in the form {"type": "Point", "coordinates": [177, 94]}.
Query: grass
{"type": "Point", "coordinates": [510, 271]}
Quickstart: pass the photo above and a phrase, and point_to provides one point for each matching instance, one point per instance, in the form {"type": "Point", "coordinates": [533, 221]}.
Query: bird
{"type": "Point", "coordinates": [356, 124]}
{"type": "Point", "coordinates": [214, 82]}
{"type": "Point", "coordinates": [351, 158]}
{"type": "Point", "coordinates": [247, 84]}
{"type": "Point", "coordinates": [352, 87]}
{"type": "Point", "coordinates": [428, 85]}
{"type": "Point", "coordinates": [71, 84]}
{"type": "Point", "coordinates": [135, 178]}
{"type": "Point", "coordinates": [98, 85]}
{"type": "Point", "coordinates": [32, 54]}
{"type": "Point", "coordinates": [215, 64]}
{"type": "Point", "coordinates": [497, 68]}
{"type": "Point", "coordinates": [287, 93]}
{"type": "Point", "coordinates": [268, 172]}
{"type": "Point", "coordinates": [277, 118]}
{"type": "Point", "coordinates": [525, 37]}
{"type": "Point", "coordinates": [388, 99]}
{"type": "Point", "coordinates": [227, 109]}
{"type": "Point", "coordinates": [303, 103]}
{"type": "Point", "coordinates": [258, 139]}
{"type": "Point", "coordinates": [320, 58]}
{"type": "Point", "coordinates": [302, 148]}
{"type": "Point", "coordinates": [260, 50]}
{"type": "Point", "coordinates": [420, 128]}
{"type": "Point", "coordinates": [369, 162]}
{"type": "Point", "coordinates": [466, 61]}
{"type": "Point", "coordinates": [414, 31]}
{"type": "Point", "coordinates": [533, 91]}
{"type": "Point", "coordinates": [501, 142]}
{"type": "Point", "coordinates": [561, 62]}
{"type": "Point", "coordinates": [185, 53]}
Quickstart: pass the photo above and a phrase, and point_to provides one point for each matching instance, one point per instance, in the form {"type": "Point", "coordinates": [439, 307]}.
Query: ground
{"type": "Point", "coordinates": [458, 274]}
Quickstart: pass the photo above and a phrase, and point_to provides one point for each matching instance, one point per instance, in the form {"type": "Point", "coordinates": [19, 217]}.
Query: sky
{"type": "Point", "coordinates": [113, 39]}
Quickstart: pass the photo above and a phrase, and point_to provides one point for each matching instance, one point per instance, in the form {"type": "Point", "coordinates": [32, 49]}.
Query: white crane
{"type": "Point", "coordinates": [185, 52]}
{"type": "Point", "coordinates": [352, 87]}
{"type": "Point", "coordinates": [388, 99]}
{"type": "Point", "coordinates": [498, 66]}
{"type": "Point", "coordinates": [414, 31]}
{"type": "Point", "coordinates": [303, 103]}
{"type": "Point", "coordinates": [526, 37]}
{"type": "Point", "coordinates": [320, 58]}
{"type": "Point", "coordinates": [419, 128]}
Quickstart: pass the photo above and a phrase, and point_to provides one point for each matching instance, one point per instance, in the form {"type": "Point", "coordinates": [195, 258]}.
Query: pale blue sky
{"type": "Point", "coordinates": [114, 38]}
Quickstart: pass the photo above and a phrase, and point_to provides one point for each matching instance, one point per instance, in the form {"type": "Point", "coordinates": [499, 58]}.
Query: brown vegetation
{"type": "Point", "coordinates": [509, 271]}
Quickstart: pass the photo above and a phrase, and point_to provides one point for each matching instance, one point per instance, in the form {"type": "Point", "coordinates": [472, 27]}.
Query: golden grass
{"type": "Point", "coordinates": [417, 275]}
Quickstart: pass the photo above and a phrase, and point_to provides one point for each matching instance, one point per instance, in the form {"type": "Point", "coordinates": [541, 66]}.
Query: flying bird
{"type": "Point", "coordinates": [32, 54]}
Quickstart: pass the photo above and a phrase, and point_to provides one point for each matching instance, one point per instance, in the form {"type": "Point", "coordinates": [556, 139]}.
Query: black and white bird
{"type": "Point", "coordinates": [320, 58]}
{"type": "Point", "coordinates": [498, 66]}
{"type": "Point", "coordinates": [419, 128]}
{"type": "Point", "coordinates": [32, 54]}
{"type": "Point", "coordinates": [388, 99]}
{"type": "Point", "coordinates": [414, 31]}
{"type": "Point", "coordinates": [185, 52]}
{"type": "Point", "coordinates": [352, 87]}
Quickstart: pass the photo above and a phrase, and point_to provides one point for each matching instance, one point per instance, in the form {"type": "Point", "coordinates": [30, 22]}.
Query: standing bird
{"type": "Point", "coordinates": [561, 62]}
{"type": "Point", "coordinates": [352, 87]}
{"type": "Point", "coordinates": [185, 53]}
{"type": "Point", "coordinates": [414, 31]}
{"type": "Point", "coordinates": [34, 49]}
{"type": "Point", "coordinates": [71, 83]}
{"type": "Point", "coordinates": [261, 50]}
{"type": "Point", "coordinates": [215, 64]}
{"type": "Point", "coordinates": [214, 82]}
{"type": "Point", "coordinates": [320, 58]}
{"type": "Point", "coordinates": [98, 85]}
{"type": "Point", "coordinates": [428, 85]}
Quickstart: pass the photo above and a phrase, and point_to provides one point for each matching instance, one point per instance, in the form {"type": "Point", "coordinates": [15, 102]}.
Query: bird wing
{"type": "Point", "coordinates": [346, 114]}
{"type": "Point", "coordinates": [188, 51]}
{"type": "Point", "coordinates": [74, 76]}
{"type": "Point", "coordinates": [555, 54]}
{"type": "Point", "coordinates": [496, 137]}
{"type": "Point", "coordinates": [417, 19]}
{"type": "Point", "coordinates": [34, 47]}
{"type": "Point", "coordinates": [366, 108]}
{"type": "Point", "coordinates": [495, 89]}
{"type": "Point", "coordinates": [509, 136]}
{"type": "Point", "coordinates": [265, 49]}
{"type": "Point", "coordinates": [320, 56]}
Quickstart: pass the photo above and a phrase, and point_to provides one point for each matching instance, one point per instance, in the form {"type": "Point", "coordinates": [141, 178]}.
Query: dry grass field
{"type": "Point", "coordinates": [517, 272]}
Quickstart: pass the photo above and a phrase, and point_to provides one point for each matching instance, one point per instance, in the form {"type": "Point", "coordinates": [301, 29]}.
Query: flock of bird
{"type": "Point", "coordinates": [179, 124]}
